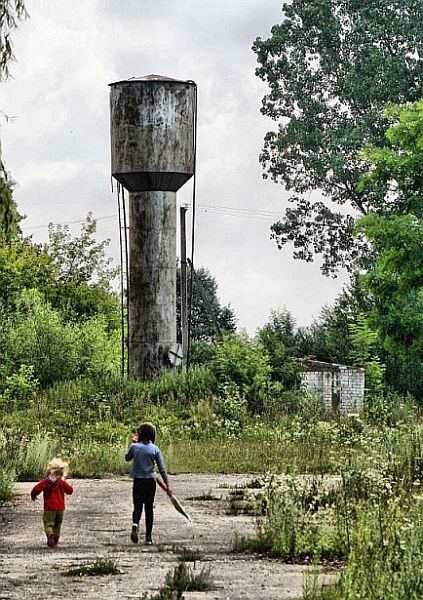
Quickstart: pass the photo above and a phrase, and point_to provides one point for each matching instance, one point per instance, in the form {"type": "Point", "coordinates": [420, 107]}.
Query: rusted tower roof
{"type": "Point", "coordinates": [151, 77]}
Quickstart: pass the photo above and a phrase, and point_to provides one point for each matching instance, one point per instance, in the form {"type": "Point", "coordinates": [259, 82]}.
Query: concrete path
{"type": "Point", "coordinates": [97, 526]}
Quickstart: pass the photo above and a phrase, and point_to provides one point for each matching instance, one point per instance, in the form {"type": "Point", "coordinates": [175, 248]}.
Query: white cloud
{"type": "Point", "coordinates": [58, 146]}
{"type": "Point", "coordinates": [49, 173]}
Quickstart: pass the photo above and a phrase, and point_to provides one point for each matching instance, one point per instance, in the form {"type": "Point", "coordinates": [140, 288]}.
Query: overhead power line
{"type": "Point", "coordinates": [249, 213]}
{"type": "Point", "coordinates": [66, 222]}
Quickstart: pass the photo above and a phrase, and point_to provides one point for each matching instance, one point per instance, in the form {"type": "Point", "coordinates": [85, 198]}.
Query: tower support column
{"type": "Point", "coordinates": [152, 290]}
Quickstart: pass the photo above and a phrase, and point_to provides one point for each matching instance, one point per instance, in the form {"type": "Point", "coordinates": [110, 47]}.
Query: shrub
{"type": "Point", "coordinates": [58, 350]}
{"type": "Point", "coordinates": [239, 361]}
{"type": "Point", "coordinates": [19, 389]}
{"type": "Point", "coordinates": [231, 407]}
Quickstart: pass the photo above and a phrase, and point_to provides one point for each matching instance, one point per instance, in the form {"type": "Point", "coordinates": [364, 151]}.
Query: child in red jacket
{"type": "Point", "coordinates": [54, 488]}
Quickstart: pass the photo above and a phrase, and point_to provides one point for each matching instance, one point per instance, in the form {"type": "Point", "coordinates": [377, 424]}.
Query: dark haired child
{"type": "Point", "coordinates": [145, 455]}
{"type": "Point", "coordinates": [54, 487]}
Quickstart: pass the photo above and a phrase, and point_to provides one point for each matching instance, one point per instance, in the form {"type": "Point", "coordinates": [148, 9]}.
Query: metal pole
{"type": "Point", "coordinates": [126, 256]}
{"type": "Point", "coordinates": [184, 306]}
{"type": "Point", "coordinates": [122, 282]}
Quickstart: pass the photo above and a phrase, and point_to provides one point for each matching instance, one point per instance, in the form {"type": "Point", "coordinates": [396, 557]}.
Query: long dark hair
{"type": "Point", "coordinates": [146, 432]}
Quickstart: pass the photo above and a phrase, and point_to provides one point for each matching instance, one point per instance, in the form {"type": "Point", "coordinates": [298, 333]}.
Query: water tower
{"type": "Point", "coordinates": [153, 155]}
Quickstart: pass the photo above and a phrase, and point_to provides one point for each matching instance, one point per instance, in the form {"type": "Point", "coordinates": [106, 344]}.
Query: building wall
{"type": "Point", "coordinates": [341, 389]}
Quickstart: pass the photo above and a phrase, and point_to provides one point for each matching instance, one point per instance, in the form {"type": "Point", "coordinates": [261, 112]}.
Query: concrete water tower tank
{"type": "Point", "coordinates": [153, 155]}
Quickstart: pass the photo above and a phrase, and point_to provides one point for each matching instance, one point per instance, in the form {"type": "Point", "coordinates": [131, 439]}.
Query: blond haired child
{"type": "Point", "coordinates": [54, 487]}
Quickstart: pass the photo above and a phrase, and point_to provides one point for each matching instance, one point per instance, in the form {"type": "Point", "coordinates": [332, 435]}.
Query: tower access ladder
{"type": "Point", "coordinates": [124, 279]}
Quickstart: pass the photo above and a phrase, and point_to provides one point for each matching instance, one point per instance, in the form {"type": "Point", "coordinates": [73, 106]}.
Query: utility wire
{"type": "Point", "coordinates": [260, 215]}
{"type": "Point", "coordinates": [65, 222]}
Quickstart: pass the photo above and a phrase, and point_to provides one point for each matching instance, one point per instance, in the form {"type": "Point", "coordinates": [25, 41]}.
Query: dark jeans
{"type": "Point", "coordinates": [143, 493]}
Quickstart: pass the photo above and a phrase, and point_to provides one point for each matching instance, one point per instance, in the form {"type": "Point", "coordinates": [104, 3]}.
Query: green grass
{"type": "Point", "coordinates": [240, 502]}
{"type": "Point", "coordinates": [182, 579]}
{"type": "Point", "coordinates": [7, 483]}
{"type": "Point", "coordinates": [208, 497]}
{"type": "Point", "coordinates": [92, 459]}
{"type": "Point", "coordinates": [188, 555]}
{"type": "Point", "coordinates": [248, 456]}
{"type": "Point", "coordinates": [99, 567]}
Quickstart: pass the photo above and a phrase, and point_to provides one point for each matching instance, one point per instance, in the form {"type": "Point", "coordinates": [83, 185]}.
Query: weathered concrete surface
{"type": "Point", "coordinates": [152, 281]}
{"type": "Point", "coordinates": [152, 133]}
{"type": "Point", "coordinates": [152, 124]}
{"type": "Point", "coordinates": [97, 524]}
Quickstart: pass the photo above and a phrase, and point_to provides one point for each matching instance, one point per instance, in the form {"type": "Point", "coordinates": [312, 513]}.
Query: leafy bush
{"type": "Point", "coordinates": [389, 408]}
{"type": "Point", "coordinates": [231, 407]}
{"type": "Point", "coordinates": [57, 350]}
{"type": "Point", "coordinates": [239, 361]}
{"type": "Point", "coordinates": [301, 519]}
{"type": "Point", "coordinates": [19, 389]}
{"type": "Point", "coordinates": [386, 557]}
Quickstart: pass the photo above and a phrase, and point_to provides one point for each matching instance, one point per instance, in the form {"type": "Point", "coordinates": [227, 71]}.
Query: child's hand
{"type": "Point", "coordinates": [134, 437]}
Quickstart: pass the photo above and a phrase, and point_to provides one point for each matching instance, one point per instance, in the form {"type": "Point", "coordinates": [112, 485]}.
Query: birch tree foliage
{"type": "Point", "coordinates": [11, 12]}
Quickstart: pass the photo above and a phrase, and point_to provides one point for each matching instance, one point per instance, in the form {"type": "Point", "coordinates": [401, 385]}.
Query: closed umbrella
{"type": "Point", "coordinates": [175, 502]}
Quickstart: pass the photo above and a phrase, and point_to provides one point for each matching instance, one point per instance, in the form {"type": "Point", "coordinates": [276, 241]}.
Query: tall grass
{"type": "Point", "coordinates": [33, 456]}
{"type": "Point", "coordinates": [386, 559]}
{"type": "Point", "coordinates": [23, 458]}
{"type": "Point", "coordinates": [7, 482]}
{"type": "Point", "coordinates": [301, 518]}
{"type": "Point", "coordinates": [90, 459]}
{"type": "Point", "coordinates": [247, 456]}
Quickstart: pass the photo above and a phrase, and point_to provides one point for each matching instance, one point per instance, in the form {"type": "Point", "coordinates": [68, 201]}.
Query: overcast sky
{"type": "Point", "coordinates": [57, 145]}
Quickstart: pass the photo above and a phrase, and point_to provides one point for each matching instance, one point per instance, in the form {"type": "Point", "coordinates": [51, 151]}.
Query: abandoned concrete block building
{"type": "Point", "coordinates": [340, 387]}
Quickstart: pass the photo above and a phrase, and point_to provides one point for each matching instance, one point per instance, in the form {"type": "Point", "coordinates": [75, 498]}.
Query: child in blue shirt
{"type": "Point", "coordinates": [145, 456]}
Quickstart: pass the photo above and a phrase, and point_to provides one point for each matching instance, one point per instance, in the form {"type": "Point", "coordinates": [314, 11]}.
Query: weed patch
{"type": "Point", "coordinates": [99, 567]}
{"type": "Point", "coordinates": [188, 555]}
{"type": "Point", "coordinates": [182, 579]}
{"type": "Point", "coordinates": [242, 503]}
{"type": "Point", "coordinates": [208, 497]}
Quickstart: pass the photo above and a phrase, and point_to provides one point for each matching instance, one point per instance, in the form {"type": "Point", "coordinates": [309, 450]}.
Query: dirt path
{"type": "Point", "coordinates": [96, 526]}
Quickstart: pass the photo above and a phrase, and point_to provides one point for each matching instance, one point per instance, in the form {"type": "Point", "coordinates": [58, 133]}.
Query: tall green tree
{"type": "Point", "coordinates": [331, 67]}
{"type": "Point", "coordinates": [206, 308]}
{"type": "Point", "coordinates": [209, 319]}
{"type": "Point", "coordinates": [23, 266]}
{"type": "Point", "coordinates": [278, 337]}
{"type": "Point", "coordinates": [395, 284]}
{"type": "Point", "coordinates": [80, 258]}
{"type": "Point", "coordinates": [83, 284]}
{"type": "Point", "coordinates": [328, 337]}
{"type": "Point", "coordinates": [9, 215]}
